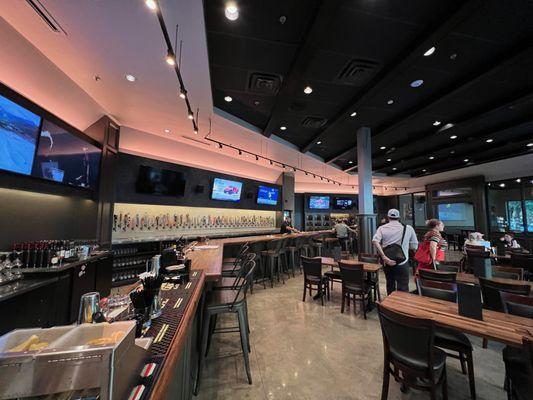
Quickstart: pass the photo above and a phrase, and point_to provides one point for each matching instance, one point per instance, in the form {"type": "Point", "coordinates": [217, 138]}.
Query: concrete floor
{"type": "Point", "coordinates": [304, 351]}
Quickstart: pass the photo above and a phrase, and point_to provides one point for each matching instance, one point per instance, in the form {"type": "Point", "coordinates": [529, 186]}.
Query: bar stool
{"type": "Point", "coordinates": [256, 248]}
{"type": "Point", "coordinates": [317, 245]}
{"type": "Point", "coordinates": [226, 302]}
{"type": "Point", "coordinates": [273, 255]}
{"type": "Point", "coordinates": [305, 247]}
{"type": "Point", "coordinates": [293, 252]}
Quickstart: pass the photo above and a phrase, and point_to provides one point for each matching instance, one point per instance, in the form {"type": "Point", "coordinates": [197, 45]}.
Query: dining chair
{"type": "Point", "coordinates": [226, 302]}
{"type": "Point", "coordinates": [230, 260]}
{"type": "Point", "coordinates": [317, 245]}
{"type": "Point", "coordinates": [293, 253]}
{"type": "Point", "coordinates": [410, 355]}
{"type": "Point", "coordinates": [447, 268]}
{"type": "Point", "coordinates": [334, 275]}
{"type": "Point", "coordinates": [354, 285]}
{"type": "Point", "coordinates": [313, 278]}
{"type": "Point", "coordinates": [524, 261]}
{"type": "Point", "coordinates": [447, 338]}
{"type": "Point", "coordinates": [230, 268]}
{"type": "Point", "coordinates": [490, 291]}
{"type": "Point", "coordinates": [518, 361]}
{"type": "Point", "coordinates": [233, 282]}
{"type": "Point", "coordinates": [507, 272]}
{"type": "Point", "coordinates": [476, 259]}
{"type": "Point", "coordinates": [372, 277]}
{"type": "Point", "coordinates": [430, 275]}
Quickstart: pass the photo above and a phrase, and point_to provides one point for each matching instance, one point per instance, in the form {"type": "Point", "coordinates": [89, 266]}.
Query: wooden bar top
{"type": "Point", "coordinates": [505, 328]}
{"type": "Point", "coordinates": [209, 260]}
{"type": "Point", "coordinates": [367, 267]}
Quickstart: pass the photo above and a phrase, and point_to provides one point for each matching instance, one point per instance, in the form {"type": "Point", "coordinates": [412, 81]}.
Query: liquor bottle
{"type": "Point", "coordinates": [45, 258]}
{"type": "Point", "coordinates": [25, 254]}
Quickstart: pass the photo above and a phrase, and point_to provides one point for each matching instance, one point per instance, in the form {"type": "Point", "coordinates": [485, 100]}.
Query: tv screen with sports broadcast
{"type": "Point", "coordinates": [226, 190]}
{"type": "Point", "coordinates": [319, 202]}
{"type": "Point", "coordinates": [267, 195]}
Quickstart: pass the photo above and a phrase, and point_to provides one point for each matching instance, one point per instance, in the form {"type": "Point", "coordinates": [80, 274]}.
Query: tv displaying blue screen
{"type": "Point", "coordinates": [18, 137]}
{"type": "Point", "coordinates": [319, 202]}
{"type": "Point", "coordinates": [267, 195]}
{"type": "Point", "coordinates": [226, 190]}
{"type": "Point", "coordinates": [63, 157]}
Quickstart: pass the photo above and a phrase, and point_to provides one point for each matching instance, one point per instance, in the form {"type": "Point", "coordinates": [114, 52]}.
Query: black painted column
{"type": "Point", "coordinates": [366, 218]}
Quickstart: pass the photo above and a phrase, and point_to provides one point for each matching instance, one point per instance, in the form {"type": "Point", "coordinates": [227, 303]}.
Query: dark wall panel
{"type": "Point", "coordinates": [197, 180]}
{"type": "Point", "coordinates": [28, 216]}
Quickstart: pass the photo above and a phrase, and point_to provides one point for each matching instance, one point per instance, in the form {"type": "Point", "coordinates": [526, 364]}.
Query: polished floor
{"type": "Point", "coordinates": [304, 351]}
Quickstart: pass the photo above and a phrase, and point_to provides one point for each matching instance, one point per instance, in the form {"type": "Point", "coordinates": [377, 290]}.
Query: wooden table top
{"type": "Point", "coordinates": [210, 260]}
{"type": "Point", "coordinates": [367, 267]}
{"type": "Point", "coordinates": [463, 277]}
{"type": "Point", "coordinates": [505, 328]}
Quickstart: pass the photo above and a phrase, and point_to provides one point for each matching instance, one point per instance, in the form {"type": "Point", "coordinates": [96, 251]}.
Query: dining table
{"type": "Point", "coordinates": [505, 328]}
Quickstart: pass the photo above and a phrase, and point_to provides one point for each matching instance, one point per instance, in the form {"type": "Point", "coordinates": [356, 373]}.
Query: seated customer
{"type": "Point", "coordinates": [342, 229]}
{"type": "Point", "coordinates": [509, 241]}
{"type": "Point", "coordinates": [476, 239]}
{"type": "Point", "coordinates": [286, 227]}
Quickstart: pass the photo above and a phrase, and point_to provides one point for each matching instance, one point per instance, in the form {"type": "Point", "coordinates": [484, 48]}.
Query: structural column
{"type": "Point", "coordinates": [366, 217]}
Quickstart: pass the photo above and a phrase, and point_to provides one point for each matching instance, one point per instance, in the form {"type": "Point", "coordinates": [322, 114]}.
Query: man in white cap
{"type": "Point", "coordinates": [395, 236]}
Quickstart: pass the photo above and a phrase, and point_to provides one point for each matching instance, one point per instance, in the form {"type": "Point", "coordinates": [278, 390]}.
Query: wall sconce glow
{"type": "Point", "coordinates": [429, 51]}
{"type": "Point", "coordinates": [130, 78]}
{"type": "Point", "coordinates": [228, 99]}
{"type": "Point", "coordinates": [308, 90]}
{"type": "Point", "coordinates": [416, 83]}
{"type": "Point", "coordinates": [151, 4]}
{"type": "Point", "coordinates": [231, 11]}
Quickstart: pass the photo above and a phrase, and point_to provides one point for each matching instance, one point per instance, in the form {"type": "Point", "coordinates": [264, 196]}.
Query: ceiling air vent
{"type": "Point", "coordinates": [357, 72]}
{"type": "Point", "coordinates": [314, 122]}
{"type": "Point", "coordinates": [45, 15]}
{"type": "Point", "coordinates": [264, 83]}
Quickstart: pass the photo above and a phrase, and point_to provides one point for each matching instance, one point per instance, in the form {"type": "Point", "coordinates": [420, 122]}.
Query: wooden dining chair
{"type": "Point", "coordinates": [507, 272]}
{"type": "Point", "coordinates": [354, 285]}
{"type": "Point", "coordinates": [455, 343]}
{"type": "Point", "coordinates": [372, 277]}
{"type": "Point", "coordinates": [430, 275]}
{"type": "Point", "coordinates": [524, 261]}
{"type": "Point", "coordinates": [447, 268]}
{"type": "Point", "coordinates": [410, 355]}
{"type": "Point", "coordinates": [313, 278]}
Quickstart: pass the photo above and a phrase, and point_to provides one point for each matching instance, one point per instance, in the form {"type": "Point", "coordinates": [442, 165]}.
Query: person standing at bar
{"type": "Point", "coordinates": [286, 227]}
{"type": "Point", "coordinates": [395, 233]}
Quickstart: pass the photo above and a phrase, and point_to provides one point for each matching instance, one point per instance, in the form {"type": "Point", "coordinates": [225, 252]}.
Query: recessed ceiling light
{"type": "Point", "coordinates": [447, 126]}
{"type": "Point", "coordinates": [167, 130]}
{"type": "Point", "coordinates": [436, 123]}
{"type": "Point", "coordinates": [231, 11]}
{"type": "Point", "coordinates": [530, 145]}
{"type": "Point", "coordinates": [389, 159]}
{"type": "Point", "coordinates": [429, 51]}
{"type": "Point", "coordinates": [390, 101]}
{"type": "Point", "coordinates": [319, 142]}
{"type": "Point", "coordinates": [489, 140]}
{"type": "Point", "coordinates": [382, 148]}
{"type": "Point", "coordinates": [417, 83]}
{"type": "Point", "coordinates": [350, 162]}
{"type": "Point", "coordinates": [431, 157]}
{"type": "Point", "coordinates": [353, 114]}
{"type": "Point", "coordinates": [228, 98]}
{"type": "Point", "coordinates": [518, 180]}
{"type": "Point", "coordinates": [151, 4]}
{"type": "Point", "coordinates": [452, 151]}
{"type": "Point", "coordinates": [466, 160]}
{"type": "Point", "coordinates": [130, 78]}
{"type": "Point", "coordinates": [283, 128]}
{"type": "Point", "coordinates": [394, 169]}
{"type": "Point", "coordinates": [453, 137]}
{"type": "Point", "coordinates": [308, 90]}
{"type": "Point", "coordinates": [502, 185]}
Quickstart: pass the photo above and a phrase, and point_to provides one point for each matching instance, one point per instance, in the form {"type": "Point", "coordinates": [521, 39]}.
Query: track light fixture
{"type": "Point", "coordinates": [183, 94]}
{"type": "Point", "coordinates": [151, 4]}
{"type": "Point", "coordinates": [240, 152]}
{"type": "Point", "coordinates": [170, 58]}
{"type": "Point", "coordinates": [190, 115]}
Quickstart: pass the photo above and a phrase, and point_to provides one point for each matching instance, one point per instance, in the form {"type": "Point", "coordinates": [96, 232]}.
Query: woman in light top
{"type": "Point", "coordinates": [509, 241]}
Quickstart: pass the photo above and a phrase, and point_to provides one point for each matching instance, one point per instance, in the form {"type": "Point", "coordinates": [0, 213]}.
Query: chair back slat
{"type": "Point", "coordinates": [241, 292]}
{"type": "Point", "coordinates": [490, 291]}
{"type": "Point", "coordinates": [430, 275]}
{"type": "Point", "coordinates": [517, 304]}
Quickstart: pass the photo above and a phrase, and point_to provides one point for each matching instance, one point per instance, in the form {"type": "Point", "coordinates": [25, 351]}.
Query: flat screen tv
{"type": "Point", "coordinates": [19, 129]}
{"type": "Point", "coordinates": [343, 203]}
{"type": "Point", "coordinates": [456, 214]}
{"type": "Point", "coordinates": [161, 182]}
{"type": "Point", "coordinates": [267, 195]}
{"type": "Point", "coordinates": [226, 190]}
{"type": "Point", "coordinates": [63, 157]}
{"type": "Point", "coordinates": [319, 202]}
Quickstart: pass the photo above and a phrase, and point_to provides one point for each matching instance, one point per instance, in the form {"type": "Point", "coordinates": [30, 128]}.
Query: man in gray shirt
{"type": "Point", "coordinates": [391, 233]}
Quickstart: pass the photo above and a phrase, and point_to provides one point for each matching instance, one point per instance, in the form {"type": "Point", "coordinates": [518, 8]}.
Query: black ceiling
{"type": "Point", "coordinates": [359, 54]}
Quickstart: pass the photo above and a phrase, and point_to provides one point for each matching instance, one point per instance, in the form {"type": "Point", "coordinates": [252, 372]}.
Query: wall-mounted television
{"type": "Point", "coordinates": [267, 195]}
{"type": "Point", "coordinates": [63, 157]}
{"type": "Point", "coordinates": [161, 182]}
{"type": "Point", "coordinates": [226, 190]}
{"type": "Point", "coordinates": [343, 203]}
{"type": "Point", "coordinates": [319, 202]}
{"type": "Point", "coordinates": [19, 129]}
{"type": "Point", "coordinates": [456, 214]}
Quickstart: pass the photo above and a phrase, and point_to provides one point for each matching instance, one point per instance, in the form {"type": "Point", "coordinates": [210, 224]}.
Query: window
{"type": "Point", "coordinates": [420, 209]}
{"type": "Point", "coordinates": [406, 208]}
{"type": "Point", "coordinates": [505, 206]}
{"type": "Point", "coordinates": [528, 203]}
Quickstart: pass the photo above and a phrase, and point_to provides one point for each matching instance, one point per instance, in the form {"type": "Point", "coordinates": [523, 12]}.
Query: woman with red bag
{"type": "Point", "coordinates": [431, 250]}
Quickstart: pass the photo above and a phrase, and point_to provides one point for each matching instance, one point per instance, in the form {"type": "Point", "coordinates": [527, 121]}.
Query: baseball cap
{"type": "Point", "coordinates": [393, 213]}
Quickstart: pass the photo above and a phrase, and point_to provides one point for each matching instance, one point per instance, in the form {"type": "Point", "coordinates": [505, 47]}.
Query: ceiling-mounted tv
{"type": "Point", "coordinates": [319, 202]}
{"type": "Point", "coordinates": [161, 182]}
{"type": "Point", "coordinates": [18, 137]}
{"type": "Point", "coordinates": [343, 203]}
{"type": "Point", "coordinates": [267, 195]}
{"type": "Point", "coordinates": [226, 190]}
{"type": "Point", "coordinates": [66, 158]}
